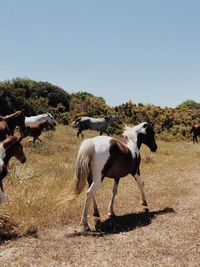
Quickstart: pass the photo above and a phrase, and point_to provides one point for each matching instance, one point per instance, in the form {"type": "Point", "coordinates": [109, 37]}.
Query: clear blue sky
{"type": "Point", "coordinates": [146, 51]}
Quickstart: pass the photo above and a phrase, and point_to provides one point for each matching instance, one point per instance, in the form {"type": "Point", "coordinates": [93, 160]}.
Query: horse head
{"type": "Point", "coordinates": [51, 121]}
{"type": "Point", "coordinates": [146, 135]}
{"type": "Point", "coordinates": [14, 148]}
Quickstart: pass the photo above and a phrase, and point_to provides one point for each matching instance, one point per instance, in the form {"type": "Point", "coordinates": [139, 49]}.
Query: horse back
{"type": "Point", "coordinates": [121, 162]}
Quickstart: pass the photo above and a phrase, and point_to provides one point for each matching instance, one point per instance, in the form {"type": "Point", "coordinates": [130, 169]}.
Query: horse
{"type": "Point", "coordinates": [99, 124]}
{"type": "Point", "coordinates": [35, 130]}
{"type": "Point", "coordinates": [195, 131]}
{"type": "Point", "coordinates": [34, 120]}
{"type": "Point", "coordinates": [10, 147]}
{"type": "Point", "coordinates": [9, 123]}
{"type": "Point", "coordinates": [104, 156]}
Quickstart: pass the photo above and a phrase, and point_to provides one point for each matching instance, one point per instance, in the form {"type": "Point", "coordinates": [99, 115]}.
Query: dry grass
{"type": "Point", "coordinates": [160, 237]}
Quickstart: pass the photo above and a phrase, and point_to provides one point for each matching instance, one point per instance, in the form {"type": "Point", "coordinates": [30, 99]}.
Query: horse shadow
{"type": "Point", "coordinates": [123, 223]}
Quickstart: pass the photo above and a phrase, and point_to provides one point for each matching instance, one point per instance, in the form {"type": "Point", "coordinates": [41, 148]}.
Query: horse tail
{"type": "Point", "coordinates": [83, 165]}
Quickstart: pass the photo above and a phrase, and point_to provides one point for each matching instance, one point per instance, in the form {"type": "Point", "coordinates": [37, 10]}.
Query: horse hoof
{"type": "Point", "coordinates": [144, 203]}
{"type": "Point", "coordinates": [111, 215]}
{"type": "Point", "coordinates": [96, 214]}
{"type": "Point", "coordinates": [86, 228]}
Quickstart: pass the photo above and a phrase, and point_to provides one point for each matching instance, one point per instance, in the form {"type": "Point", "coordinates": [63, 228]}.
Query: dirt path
{"type": "Point", "coordinates": [163, 237]}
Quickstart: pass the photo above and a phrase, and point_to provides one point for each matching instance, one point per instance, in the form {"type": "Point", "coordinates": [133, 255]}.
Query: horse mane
{"type": "Point", "coordinates": [128, 132]}
{"type": "Point", "coordinates": [131, 132]}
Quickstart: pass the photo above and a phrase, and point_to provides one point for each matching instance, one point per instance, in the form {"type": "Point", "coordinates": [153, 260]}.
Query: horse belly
{"type": "Point", "coordinates": [119, 169]}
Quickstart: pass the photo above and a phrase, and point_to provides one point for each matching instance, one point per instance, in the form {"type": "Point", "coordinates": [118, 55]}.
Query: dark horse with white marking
{"type": "Point", "coordinates": [9, 123]}
{"type": "Point", "coordinates": [98, 124]}
{"type": "Point", "coordinates": [103, 156]}
{"type": "Point", "coordinates": [10, 147]}
{"type": "Point", "coordinates": [195, 131]}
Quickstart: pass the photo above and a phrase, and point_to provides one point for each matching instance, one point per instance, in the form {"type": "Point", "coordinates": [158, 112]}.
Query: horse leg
{"type": "Point", "coordinates": [95, 207]}
{"type": "Point", "coordinates": [114, 192]}
{"type": "Point", "coordinates": [90, 193]}
{"type": "Point", "coordinates": [80, 132]}
{"type": "Point", "coordinates": [39, 139]}
{"type": "Point", "coordinates": [140, 183]}
{"type": "Point", "coordinates": [2, 195]}
{"type": "Point", "coordinates": [107, 133]}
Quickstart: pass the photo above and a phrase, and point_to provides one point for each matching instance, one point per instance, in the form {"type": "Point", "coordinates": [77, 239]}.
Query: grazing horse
{"type": "Point", "coordinates": [35, 130]}
{"type": "Point", "coordinates": [10, 147]}
{"type": "Point", "coordinates": [9, 123]}
{"type": "Point", "coordinates": [33, 120]}
{"type": "Point", "coordinates": [104, 156]}
{"type": "Point", "coordinates": [195, 131]}
{"type": "Point", "coordinates": [99, 124]}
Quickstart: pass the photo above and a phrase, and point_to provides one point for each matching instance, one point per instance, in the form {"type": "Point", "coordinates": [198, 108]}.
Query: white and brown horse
{"type": "Point", "coordinates": [104, 156]}
{"type": "Point", "coordinates": [10, 147]}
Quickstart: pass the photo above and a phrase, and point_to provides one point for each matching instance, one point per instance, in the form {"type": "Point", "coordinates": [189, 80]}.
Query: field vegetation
{"type": "Point", "coordinates": [46, 226]}
{"type": "Point", "coordinates": [39, 226]}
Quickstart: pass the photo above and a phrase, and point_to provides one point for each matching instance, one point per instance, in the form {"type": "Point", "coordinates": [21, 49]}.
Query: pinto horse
{"type": "Point", "coordinates": [195, 131]}
{"type": "Point", "coordinates": [98, 124]}
{"type": "Point", "coordinates": [33, 120]}
{"type": "Point", "coordinates": [104, 156]}
{"type": "Point", "coordinates": [9, 123]}
{"type": "Point", "coordinates": [10, 147]}
{"type": "Point", "coordinates": [35, 130]}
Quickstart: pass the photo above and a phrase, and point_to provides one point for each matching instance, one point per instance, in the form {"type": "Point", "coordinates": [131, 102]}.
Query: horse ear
{"type": "Point", "coordinates": [19, 139]}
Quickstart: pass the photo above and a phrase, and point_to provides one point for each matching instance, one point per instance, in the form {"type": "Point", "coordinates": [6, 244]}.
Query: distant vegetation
{"type": "Point", "coordinates": [41, 97]}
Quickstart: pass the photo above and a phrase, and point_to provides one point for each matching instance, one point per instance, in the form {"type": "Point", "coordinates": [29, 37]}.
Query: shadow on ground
{"type": "Point", "coordinates": [124, 223]}
{"type": "Point", "coordinates": [10, 229]}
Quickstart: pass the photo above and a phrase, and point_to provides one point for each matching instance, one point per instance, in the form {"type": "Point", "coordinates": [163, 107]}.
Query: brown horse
{"type": "Point", "coordinates": [10, 147]}
{"type": "Point", "coordinates": [35, 130]}
{"type": "Point", "coordinates": [195, 131]}
{"type": "Point", "coordinates": [9, 123]}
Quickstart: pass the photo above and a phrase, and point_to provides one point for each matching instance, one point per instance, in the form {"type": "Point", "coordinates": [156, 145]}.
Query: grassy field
{"type": "Point", "coordinates": [37, 191]}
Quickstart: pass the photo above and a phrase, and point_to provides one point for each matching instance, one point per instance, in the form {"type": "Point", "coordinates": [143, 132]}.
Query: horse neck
{"type": "Point", "coordinates": [132, 142]}
{"type": "Point", "coordinates": [42, 125]}
{"type": "Point", "coordinates": [11, 123]}
{"type": "Point", "coordinates": [7, 157]}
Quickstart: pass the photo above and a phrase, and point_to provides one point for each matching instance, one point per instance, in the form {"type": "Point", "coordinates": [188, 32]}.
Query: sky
{"type": "Point", "coordinates": [146, 51]}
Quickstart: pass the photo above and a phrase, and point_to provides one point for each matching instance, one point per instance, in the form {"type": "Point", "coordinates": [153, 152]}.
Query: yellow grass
{"type": "Point", "coordinates": [36, 190]}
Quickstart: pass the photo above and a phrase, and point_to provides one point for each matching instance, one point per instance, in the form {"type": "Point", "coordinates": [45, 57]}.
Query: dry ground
{"type": "Point", "coordinates": [47, 231]}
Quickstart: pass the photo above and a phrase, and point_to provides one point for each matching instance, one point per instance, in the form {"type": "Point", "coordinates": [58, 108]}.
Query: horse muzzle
{"type": "Point", "coordinates": [23, 160]}
{"type": "Point", "coordinates": [154, 148]}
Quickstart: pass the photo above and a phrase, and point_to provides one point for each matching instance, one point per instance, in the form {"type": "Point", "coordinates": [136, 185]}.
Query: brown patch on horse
{"type": "Point", "coordinates": [121, 162]}
{"type": "Point", "coordinates": [9, 123]}
{"type": "Point", "coordinates": [10, 141]}
{"type": "Point", "coordinates": [35, 130]}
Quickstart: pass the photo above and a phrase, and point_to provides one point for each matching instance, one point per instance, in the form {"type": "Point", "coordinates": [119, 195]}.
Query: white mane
{"type": "Point", "coordinates": [131, 133]}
